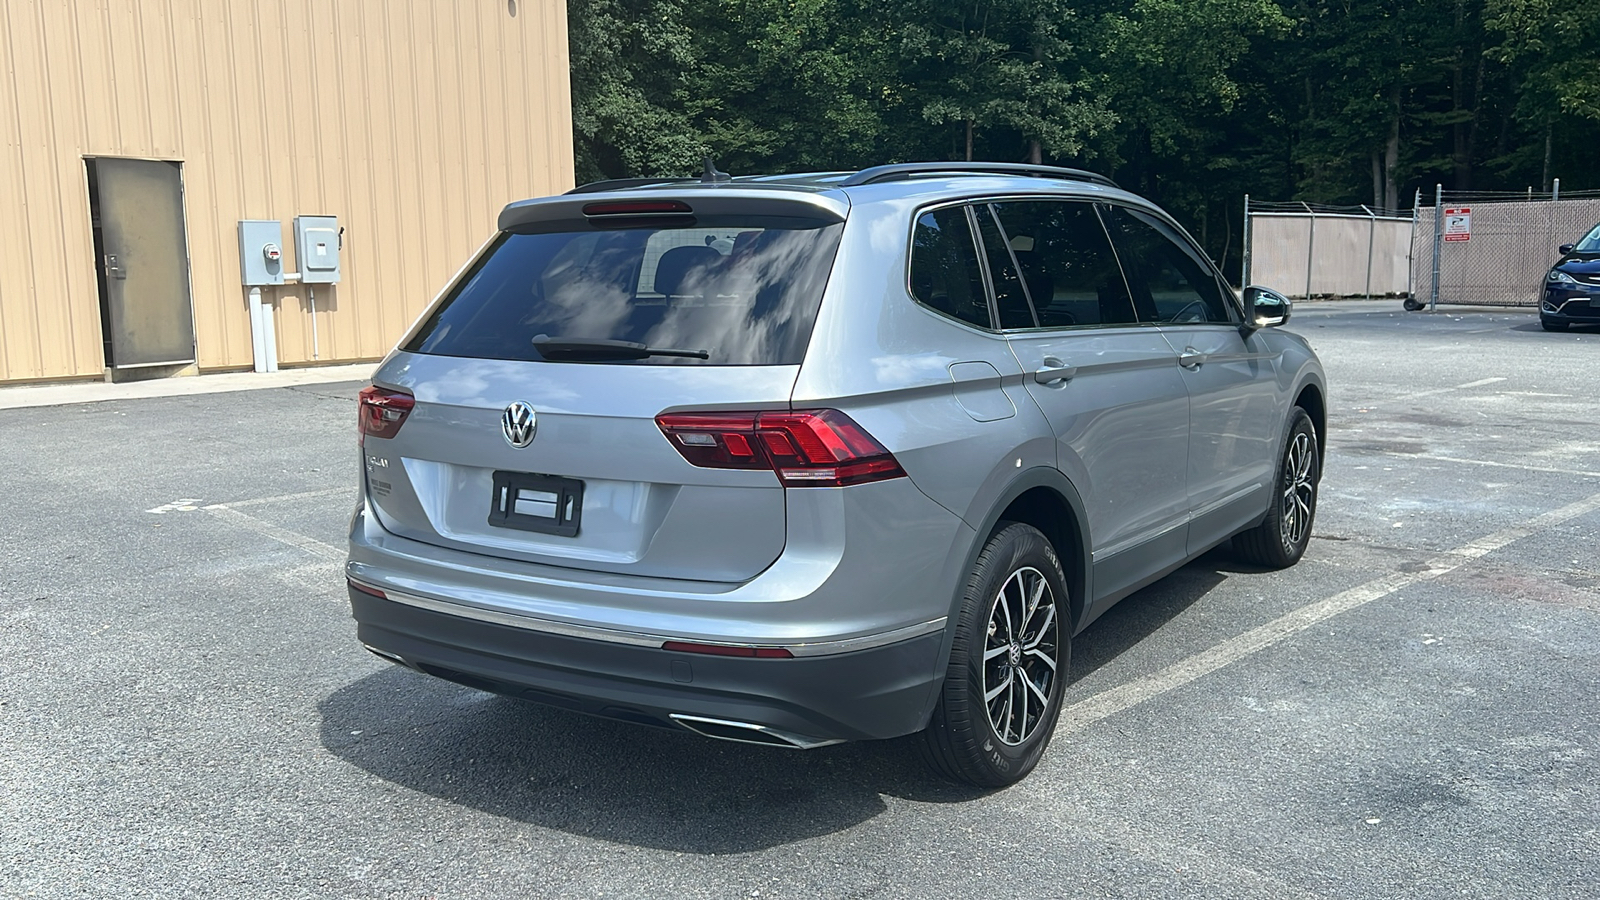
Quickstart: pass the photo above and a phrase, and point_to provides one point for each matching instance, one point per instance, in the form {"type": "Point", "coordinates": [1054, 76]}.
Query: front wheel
{"type": "Point", "coordinates": [1281, 538]}
{"type": "Point", "coordinates": [1008, 665]}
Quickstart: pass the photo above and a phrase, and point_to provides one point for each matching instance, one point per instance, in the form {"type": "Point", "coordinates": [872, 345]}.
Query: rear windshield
{"type": "Point", "coordinates": [744, 291]}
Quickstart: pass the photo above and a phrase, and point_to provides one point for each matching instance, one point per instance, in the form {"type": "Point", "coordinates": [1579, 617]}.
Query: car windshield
{"type": "Point", "coordinates": [746, 292]}
{"type": "Point", "coordinates": [1590, 242]}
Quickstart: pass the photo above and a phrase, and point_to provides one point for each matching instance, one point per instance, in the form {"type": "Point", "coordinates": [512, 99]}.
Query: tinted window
{"type": "Point", "coordinates": [945, 275]}
{"type": "Point", "coordinates": [745, 292]}
{"type": "Point", "coordinates": [1009, 301]}
{"type": "Point", "coordinates": [1067, 263]}
{"type": "Point", "coordinates": [1169, 282]}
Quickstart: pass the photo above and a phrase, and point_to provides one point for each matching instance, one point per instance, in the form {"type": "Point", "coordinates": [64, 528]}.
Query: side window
{"type": "Point", "coordinates": [1067, 263]}
{"type": "Point", "coordinates": [1009, 300]}
{"type": "Point", "coordinates": [1169, 283]}
{"type": "Point", "coordinates": [945, 274]}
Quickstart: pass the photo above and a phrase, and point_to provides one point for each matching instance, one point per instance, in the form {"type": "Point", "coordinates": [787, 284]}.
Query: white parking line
{"type": "Point", "coordinates": [1460, 387]}
{"type": "Point", "coordinates": [281, 535]}
{"type": "Point", "coordinates": [1484, 462]}
{"type": "Point", "coordinates": [284, 498]}
{"type": "Point", "coordinates": [1108, 703]}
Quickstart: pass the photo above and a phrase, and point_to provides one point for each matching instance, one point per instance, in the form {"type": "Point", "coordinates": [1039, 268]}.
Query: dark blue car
{"type": "Point", "coordinates": [1572, 288]}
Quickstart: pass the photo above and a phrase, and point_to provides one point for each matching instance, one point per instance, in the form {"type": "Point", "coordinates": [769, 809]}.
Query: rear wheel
{"type": "Point", "coordinates": [1002, 691]}
{"type": "Point", "coordinates": [1281, 538]}
{"type": "Point", "coordinates": [1548, 325]}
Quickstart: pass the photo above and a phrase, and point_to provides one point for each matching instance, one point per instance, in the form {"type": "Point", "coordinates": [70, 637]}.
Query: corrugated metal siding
{"type": "Point", "coordinates": [412, 122]}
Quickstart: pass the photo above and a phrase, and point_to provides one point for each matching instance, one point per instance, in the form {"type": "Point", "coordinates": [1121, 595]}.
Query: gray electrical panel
{"type": "Point", "coordinates": [316, 248]}
{"type": "Point", "coordinates": [261, 252]}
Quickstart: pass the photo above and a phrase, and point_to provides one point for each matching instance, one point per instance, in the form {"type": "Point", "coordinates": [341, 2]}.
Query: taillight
{"type": "Point", "coordinates": [381, 412]}
{"type": "Point", "coordinates": [806, 448]}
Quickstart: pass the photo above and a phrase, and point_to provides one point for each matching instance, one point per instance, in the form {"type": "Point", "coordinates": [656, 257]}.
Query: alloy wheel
{"type": "Point", "coordinates": [1300, 489]}
{"type": "Point", "coordinates": [1020, 655]}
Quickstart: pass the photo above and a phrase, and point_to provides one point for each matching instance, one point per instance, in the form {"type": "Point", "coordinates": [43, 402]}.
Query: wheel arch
{"type": "Point", "coordinates": [1311, 400]}
{"type": "Point", "coordinates": [1047, 500]}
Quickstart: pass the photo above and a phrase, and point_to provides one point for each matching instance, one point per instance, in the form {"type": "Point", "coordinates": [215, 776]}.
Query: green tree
{"type": "Point", "coordinates": [1554, 46]}
{"type": "Point", "coordinates": [629, 101]}
{"type": "Point", "coordinates": [1013, 65]}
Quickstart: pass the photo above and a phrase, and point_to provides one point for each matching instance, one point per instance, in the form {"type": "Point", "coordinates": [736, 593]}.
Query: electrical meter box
{"type": "Point", "coordinates": [316, 248]}
{"type": "Point", "coordinates": [261, 252]}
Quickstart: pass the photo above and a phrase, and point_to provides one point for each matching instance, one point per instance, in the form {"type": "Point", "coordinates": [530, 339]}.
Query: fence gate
{"type": "Point", "coordinates": [1494, 249]}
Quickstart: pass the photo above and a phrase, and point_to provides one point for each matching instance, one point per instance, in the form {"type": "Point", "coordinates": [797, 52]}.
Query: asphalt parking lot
{"type": "Point", "coordinates": [1410, 712]}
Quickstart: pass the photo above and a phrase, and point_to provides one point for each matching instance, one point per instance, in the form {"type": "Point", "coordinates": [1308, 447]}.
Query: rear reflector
{"type": "Point", "coordinates": [356, 585]}
{"type": "Point", "coordinates": [806, 448]}
{"type": "Point", "coordinates": [638, 208]}
{"type": "Point", "coordinates": [381, 412]}
{"type": "Point", "coordinates": [724, 650]}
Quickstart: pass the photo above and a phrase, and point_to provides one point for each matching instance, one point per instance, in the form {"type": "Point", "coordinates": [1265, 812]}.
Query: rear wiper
{"type": "Point", "coordinates": [558, 349]}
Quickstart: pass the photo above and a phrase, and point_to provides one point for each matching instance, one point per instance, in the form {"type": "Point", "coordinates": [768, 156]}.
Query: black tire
{"type": "Point", "coordinates": [1412, 305]}
{"type": "Point", "coordinates": [963, 741]}
{"type": "Point", "coordinates": [1281, 538]}
{"type": "Point", "coordinates": [1548, 325]}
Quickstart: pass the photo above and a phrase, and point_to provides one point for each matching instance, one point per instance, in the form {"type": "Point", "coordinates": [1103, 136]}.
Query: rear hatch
{"type": "Point", "coordinates": [521, 412]}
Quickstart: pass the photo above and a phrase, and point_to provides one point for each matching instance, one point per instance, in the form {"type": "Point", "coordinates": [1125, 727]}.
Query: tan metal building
{"type": "Point", "coordinates": [136, 134]}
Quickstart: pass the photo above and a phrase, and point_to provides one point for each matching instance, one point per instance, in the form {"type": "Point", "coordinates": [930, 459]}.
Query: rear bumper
{"type": "Point", "coordinates": [879, 692]}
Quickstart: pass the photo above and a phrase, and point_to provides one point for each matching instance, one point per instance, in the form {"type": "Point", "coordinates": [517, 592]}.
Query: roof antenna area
{"type": "Point", "coordinates": [711, 175]}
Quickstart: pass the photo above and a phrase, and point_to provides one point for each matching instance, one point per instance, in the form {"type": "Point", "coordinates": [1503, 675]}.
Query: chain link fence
{"type": "Point", "coordinates": [1304, 250]}
{"type": "Point", "coordinates": [1493, 249]}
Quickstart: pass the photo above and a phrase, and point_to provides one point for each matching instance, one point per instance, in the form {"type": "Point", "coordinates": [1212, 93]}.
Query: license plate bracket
{"type": "Point", "coordinates": [547, 504]}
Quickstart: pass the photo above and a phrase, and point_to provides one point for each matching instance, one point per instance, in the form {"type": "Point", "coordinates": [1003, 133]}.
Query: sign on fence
{"type": "Point", "coordinates": [1458, 224]}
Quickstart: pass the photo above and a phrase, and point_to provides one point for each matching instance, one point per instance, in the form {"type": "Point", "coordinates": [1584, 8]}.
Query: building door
{"type": "Point", "coordinates": [143, 262]}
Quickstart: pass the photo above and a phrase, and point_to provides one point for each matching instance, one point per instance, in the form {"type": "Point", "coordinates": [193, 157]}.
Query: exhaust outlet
{"type": "Point", "coordinates": [386, 655]}
{"type": "Point", "coordinates": [748, 733]}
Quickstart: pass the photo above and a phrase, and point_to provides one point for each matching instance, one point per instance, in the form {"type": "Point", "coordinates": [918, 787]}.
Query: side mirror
{"type": "Point", "coordinates": [1564, 249]}
{"type": "Point", "coordinates": [1266, 307]}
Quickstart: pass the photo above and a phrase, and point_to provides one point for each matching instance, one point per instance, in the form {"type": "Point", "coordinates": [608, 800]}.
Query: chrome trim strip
{"type": "Point", "coordinates": [1215, 505]}
{"type": "Point", "coordinates": [792, 741]}
{"type": "Point", "coordinates": [638, 639]}
{"type": "Point", "coordinates": [1135, 541]}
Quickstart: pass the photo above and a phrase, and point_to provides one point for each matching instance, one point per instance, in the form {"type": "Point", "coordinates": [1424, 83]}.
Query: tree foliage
{"type": "Point", "coordinates": [1193, 102]}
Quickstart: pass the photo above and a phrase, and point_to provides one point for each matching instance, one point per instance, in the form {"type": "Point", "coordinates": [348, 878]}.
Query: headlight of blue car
{"type": "Point", "coordinates": [1557, 276]}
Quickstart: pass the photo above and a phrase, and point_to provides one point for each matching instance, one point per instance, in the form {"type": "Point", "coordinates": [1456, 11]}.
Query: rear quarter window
{"type": "Point", "coordinates": [745, 291]}
{"type": "Point", "coordinates": [945, 273]}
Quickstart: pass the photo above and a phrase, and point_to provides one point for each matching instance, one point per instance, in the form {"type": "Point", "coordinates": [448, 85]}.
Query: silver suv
{"type": "Point", "coordinates": [804, 459]}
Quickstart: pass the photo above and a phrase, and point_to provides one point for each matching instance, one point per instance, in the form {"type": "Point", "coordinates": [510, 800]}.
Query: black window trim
{"type": "Point", "coordinates": [1016, 266]}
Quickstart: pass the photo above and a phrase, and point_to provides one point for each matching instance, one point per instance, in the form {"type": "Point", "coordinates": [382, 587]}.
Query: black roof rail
{"type": "Point", "coordinates": [904, 171]}
{"type": "Point", "coordinates": [622, 184]}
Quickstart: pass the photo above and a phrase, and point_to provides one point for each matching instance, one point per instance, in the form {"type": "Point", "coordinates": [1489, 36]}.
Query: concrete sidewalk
{"type": "Point", "coordinates": [93, 392]}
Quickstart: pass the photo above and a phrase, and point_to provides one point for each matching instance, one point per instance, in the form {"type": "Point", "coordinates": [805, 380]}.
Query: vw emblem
{"type": "Point", "coordinates": [519, 423]}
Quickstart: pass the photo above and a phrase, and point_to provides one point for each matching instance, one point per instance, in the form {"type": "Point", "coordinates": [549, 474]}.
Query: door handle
{"type": "Point", "coordinates": [1191, 358]}
{"type": "Point", "coordinates": [1054, 371]}
{"type": "Point", "coordinates": [112, 269]}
